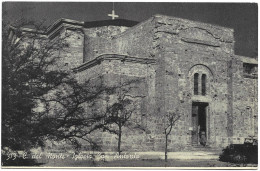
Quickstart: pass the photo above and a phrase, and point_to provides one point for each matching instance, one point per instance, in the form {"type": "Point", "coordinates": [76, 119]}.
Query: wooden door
{"type": "Point", "coordinates": [195, 112]}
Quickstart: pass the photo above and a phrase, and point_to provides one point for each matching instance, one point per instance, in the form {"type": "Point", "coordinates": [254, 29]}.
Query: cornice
{"type": "Point", "coordinates": [123, 58]}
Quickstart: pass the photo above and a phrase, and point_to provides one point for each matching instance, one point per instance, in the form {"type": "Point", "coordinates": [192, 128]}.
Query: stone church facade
{"type": "Point", "coordinates": [186, 66]}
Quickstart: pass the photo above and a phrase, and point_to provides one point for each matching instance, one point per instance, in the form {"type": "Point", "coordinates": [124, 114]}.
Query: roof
{"type": "Point", "coordinates": [117, 22]}
{"type": "Point", "coordinates": [61, 21]}
{"type": "Point", "coordinates": [88, 24]}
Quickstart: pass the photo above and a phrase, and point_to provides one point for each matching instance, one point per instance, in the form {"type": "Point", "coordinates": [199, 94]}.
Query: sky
{"type": "Point", "coordinates": [242, 17]}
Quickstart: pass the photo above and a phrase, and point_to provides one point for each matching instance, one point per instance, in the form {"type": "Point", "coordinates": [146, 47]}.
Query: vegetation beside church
{"type": "Point", "coordinates": [170, 120]}
{"type": "Point", "coordinates": [44, 102]}
{"type": "Point", "coordinates": [26, 76]}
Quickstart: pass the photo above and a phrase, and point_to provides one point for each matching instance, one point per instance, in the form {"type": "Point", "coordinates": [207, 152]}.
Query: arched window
{"type": "Point", "coordinates": [196, 84]}
{"type": "Point", "coordinates": [203, 84]}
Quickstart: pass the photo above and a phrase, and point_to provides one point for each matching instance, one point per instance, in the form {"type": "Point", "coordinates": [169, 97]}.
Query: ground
{"type": "Point", "coordinates": [148, 159]}
{"type": "Point", "coordinates": [146, 163]}
{"type": "Point", "coordinates": [208, 158]}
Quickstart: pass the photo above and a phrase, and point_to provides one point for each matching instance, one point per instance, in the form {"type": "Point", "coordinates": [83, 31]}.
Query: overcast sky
{"type": "Point", "coordinates": [242, 17]}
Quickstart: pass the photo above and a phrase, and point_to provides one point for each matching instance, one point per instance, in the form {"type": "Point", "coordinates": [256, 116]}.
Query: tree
{"type": "Point", "coordinates": [40, 100]}
{"type": "Point", "coordinates": [44, 102]}
{"type": "Point", "coordinates": [69, 112]}
{"type": "Point", "coordinates": [170, 119]}
{"type": "Point", "coordinates": [27, 58]}
{"type": "Point", "coordinates": [120, 113]}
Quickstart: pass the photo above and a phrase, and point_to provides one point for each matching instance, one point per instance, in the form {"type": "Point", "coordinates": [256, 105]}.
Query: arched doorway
{"type": "Point", "coordinates": [201, 79]}
{"type": "Point", "coordinates": [199, 122]}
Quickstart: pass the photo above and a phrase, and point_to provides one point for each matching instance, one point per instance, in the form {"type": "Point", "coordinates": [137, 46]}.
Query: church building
{"type": "Point", "coordinates": [186, 66]}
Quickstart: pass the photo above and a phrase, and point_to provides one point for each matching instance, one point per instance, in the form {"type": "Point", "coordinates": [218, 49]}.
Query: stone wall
{"type": "Point", "coordinates": [180, 48]}
{"type": "Point", "coordinates": [72, 54]}
{"type": "Point", "coordinates": [185, 48]}
{"type": "Point", "coordinates": [115, 73]}
{"type": "Point", "coordinates": [98, 41]}
{"type": "Point", "coordinates": [245, 104]}
{"type": "Point", "coordinates": [136, 42]}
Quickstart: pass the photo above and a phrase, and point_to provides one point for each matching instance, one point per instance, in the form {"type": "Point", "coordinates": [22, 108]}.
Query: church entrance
{"type": "Point", "coordinates": [199, 122]}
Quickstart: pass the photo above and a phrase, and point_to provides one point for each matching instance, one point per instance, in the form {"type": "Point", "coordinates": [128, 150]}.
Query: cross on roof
{"type": "Point", "coordinates": [113, 15]}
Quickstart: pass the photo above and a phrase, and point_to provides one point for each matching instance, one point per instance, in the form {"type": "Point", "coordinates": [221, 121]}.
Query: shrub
{"type": "Point", "coordinates": [240, 153]}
